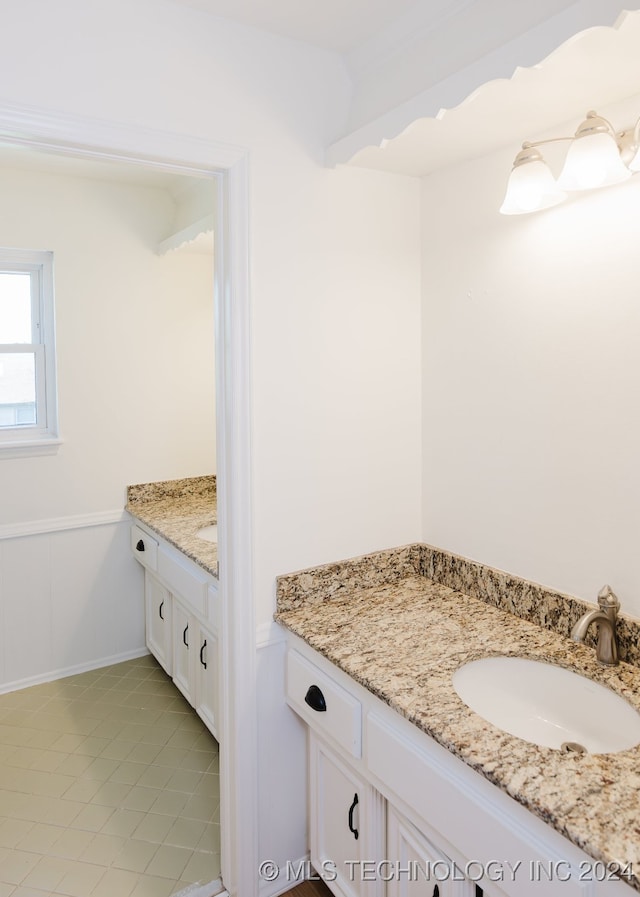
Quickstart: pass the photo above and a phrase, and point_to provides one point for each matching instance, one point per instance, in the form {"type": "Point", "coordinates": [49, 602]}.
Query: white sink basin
{"type": "Point", "coordinates": [208, 533]}
{"type": "Point", "coordinates": [548, 705]}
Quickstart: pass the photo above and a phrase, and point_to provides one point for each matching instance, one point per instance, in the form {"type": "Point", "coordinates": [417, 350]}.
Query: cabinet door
{"type": "Point", "coordinates": [346, 825]}
{"type": "Point", "coordinates": [207, 679]}
{"type": "Point", "coordinates": [158, 621]}
{"type": "Point", "coordinates": [417, 868]}
{"type": "Point", "coordinates": [184, 649]}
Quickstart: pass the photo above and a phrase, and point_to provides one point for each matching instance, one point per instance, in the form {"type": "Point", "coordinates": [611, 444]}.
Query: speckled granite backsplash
{"type": "Point", "coordinates": [532, 602]}
{"type": "Point", "coordinates": [331, 580]}
{"type": "Point", "coordinates": [141, 493]}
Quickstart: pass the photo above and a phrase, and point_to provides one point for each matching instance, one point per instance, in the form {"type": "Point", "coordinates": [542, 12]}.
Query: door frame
{"type": "Point", "coordinates": [84, 137]}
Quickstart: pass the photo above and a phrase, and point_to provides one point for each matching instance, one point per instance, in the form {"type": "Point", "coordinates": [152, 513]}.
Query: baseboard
{"type": "Point", "coordinates": [51, 676]}
{"type": "Point", "coordinates": [276, 880]}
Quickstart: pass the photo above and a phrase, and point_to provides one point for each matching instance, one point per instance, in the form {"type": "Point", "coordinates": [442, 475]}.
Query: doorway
{"type": "Point", "coordinates": [176, 153]}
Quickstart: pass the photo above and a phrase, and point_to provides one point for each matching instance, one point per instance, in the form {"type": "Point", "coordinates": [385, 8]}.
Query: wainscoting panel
{"type": "Point", "coordinates": [71, 599]}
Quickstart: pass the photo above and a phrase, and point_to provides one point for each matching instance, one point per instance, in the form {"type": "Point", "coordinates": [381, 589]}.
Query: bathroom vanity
{"type": "Point", "coordinates": [182, 607]}
{"type": "Point", "coordinates": [410, 791]}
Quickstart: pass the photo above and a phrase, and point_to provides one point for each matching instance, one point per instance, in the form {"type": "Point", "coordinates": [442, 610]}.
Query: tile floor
{"type": "Point", "coordinates": [109, 787]}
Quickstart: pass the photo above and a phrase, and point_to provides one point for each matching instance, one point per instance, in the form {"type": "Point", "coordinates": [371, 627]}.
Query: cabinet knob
{"type": "Point", "coordinates": [184, 636]}
{"type": "Point", "coordinates": [315, 699]}
{"type": "Point", "coordinates": [140, 545]}
{"type": "Point", "coordinates": [202, 650]}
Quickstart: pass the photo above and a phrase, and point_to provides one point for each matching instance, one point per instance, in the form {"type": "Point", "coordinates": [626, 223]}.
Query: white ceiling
{"type": "Point", "coordinates": [338, 25]}
{"type": "Point", "coordinates": [596, 68]}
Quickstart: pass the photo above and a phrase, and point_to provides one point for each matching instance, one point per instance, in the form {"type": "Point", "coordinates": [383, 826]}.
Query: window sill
{"type": "Point", "coordinates": [29, 448]}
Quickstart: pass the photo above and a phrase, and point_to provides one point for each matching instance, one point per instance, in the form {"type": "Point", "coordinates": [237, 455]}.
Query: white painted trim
{"type": "Point", "coordinates": [29, 126]}
{"type": "Point", "coordinates": [268, 634]}
{"type": "Point", "coordinates": [83, 136]}
{"type": "Point", "coordinates": [62, 673]}
{"type": "Point", "coordinates": [202, 227]}
{"type": "Point", "coordinates": [59, 524]}
{"type": "Point", "coordinates": [239, 744]}
{"type": "Point", "coordinates": [30, 448]}
{"type": "Point", "coordinates": [525, 50]}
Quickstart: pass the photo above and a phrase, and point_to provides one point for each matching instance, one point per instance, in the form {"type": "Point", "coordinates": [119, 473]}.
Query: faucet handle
{"type": "Point", "coordinates": [608, 599]}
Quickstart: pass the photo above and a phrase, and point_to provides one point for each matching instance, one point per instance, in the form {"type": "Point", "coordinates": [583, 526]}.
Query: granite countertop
{"type": "Point", "coordinates": [176, 510]}
{"type": "Point", "coordinates": [402, 635]}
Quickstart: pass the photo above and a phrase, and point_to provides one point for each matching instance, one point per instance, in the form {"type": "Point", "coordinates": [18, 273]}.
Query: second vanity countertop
{"type": "Point", "coordinates": [175, 510]}
{"type": "Point", "coordinates": [403, 640]}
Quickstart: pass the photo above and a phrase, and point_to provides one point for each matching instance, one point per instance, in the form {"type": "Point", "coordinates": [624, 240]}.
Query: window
{"type": "Point", "coordinates": [28, 402]}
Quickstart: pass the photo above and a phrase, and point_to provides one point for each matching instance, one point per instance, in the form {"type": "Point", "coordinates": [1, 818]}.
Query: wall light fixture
{"type": "Point", "coordinates": [598, 156]}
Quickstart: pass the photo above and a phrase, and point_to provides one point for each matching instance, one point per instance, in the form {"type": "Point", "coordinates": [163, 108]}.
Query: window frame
{"type": "Point", "coordinates": [43, 436]}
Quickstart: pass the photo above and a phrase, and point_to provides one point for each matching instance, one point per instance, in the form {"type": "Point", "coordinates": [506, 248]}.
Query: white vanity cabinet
{"type": "Point", "coordinates": [346, 822]}
{"type": "Point", "coordinates": [182, 632]}
{"type": "Point", "coordinates": [207, 678]}
{"type": "Point", "coordinates": [430, 825]}
{"type": "Point", "coordinates": [419, 868]}
{"type": "Point", "coordinates": [158, 602]}
{"type": "Point", "coordinates": [182, 622]}
{"type": "Point", "coordinates": [158, 614]}
{"type": "Point", "coordinates": [205, 675]}
{"type": "Point", "coordinates": [195, 663]}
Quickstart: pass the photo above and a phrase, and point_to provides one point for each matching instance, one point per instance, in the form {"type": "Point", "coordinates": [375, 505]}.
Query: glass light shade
{"type": "Point", "coordinates": [531, 188]}
{"type": "Point", "coordinates": [593, 161]}
{"type": "Point", "coordinates": [634, 164]}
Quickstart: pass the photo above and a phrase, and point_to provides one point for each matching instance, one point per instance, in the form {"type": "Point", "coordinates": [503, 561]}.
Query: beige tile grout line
{"type": "Point", "coordinates": [212, 889]}
{"type": "Point", "coordinates": [20, 711]}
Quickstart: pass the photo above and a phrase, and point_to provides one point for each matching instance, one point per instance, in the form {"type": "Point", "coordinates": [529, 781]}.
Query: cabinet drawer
{"type": "Point", "coordinates": [465, 815]}
{"type": "Point", "coordinates": [144, 547]}
{"type": "Point", "coordinates": [184, 579]}
{"type": "Point", "coordinates": [342, 717]}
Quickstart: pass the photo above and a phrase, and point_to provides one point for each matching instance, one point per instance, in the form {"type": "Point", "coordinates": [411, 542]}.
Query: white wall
{"type": "Point", "coordinates": [321, 293]}
{"type": "Point", "coordinates": [337, 385]}
{"type": "Point", "coordinates": [134, 333]}
{"type": "Point", "coordinates": [531, 434]}
{"type": "Point", "coordinates": [70, 600]}
{"type": "Point", "coordinates": [335, 363]}
{"type": "Point", "coordinates": [136, 402]}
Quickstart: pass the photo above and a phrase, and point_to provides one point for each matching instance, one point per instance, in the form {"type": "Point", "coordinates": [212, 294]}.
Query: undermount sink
{"type": "Point", "coordinates": [548, 705]}
{"type": "Point", "coordinates": [208, 533]}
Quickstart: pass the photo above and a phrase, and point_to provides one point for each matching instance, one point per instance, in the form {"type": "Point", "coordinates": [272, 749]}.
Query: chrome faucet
{"type": "Point", "coordinates": [605, 616]}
